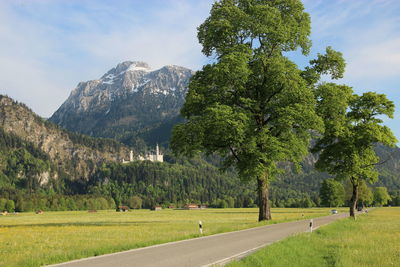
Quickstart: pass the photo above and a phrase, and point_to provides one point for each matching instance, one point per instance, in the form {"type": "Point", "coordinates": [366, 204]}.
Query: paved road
{"type": "Point", "coordinates": [203, 251]}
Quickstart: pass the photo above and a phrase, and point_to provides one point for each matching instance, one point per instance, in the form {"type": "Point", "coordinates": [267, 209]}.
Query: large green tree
{"type": "Point", "coordinates": [332, 193]}
{"type": "Point", "coordinates": [381, 196]}
{"type": "Point", "coordinates": [365, 196]}
{"type": "Point", "coordinates": [353, 126]}
{"type": "Point", "coordinates": [252, 105]}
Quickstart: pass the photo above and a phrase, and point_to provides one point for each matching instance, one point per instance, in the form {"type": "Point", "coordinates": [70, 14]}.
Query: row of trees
{"type": "Point", "coordinates": [185, 181]}
{"type": "Point", "coordinates": [254, 106]}
{"type": "Point", "coordinates": [55, 203]}
{"type": "Point", "coordinates": [166, 183]}
{"type": "Point", "coordinates": [334, 194]}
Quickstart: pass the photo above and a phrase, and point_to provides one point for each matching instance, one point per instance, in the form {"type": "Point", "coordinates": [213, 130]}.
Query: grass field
{"type": "Point", "coordinates": [372, 240]}
{"type": "Point", "coordinates": [29, 239]}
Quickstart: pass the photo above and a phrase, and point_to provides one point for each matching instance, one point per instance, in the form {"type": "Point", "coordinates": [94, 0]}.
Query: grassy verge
{"type": "Point", "coordinates": [29, 239]}
{"type": "Point", "coordinates": [372, 240]}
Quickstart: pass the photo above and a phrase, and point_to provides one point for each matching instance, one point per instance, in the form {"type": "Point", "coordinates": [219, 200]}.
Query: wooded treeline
{"type": "Point", "coordinates": [23, 184]}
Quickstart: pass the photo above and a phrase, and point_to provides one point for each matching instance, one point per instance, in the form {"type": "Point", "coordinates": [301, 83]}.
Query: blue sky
{"type": "Point", "coordinates": [48, 46]}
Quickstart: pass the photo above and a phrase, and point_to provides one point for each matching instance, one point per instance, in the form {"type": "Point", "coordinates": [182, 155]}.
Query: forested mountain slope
{"type": "Point", "coordinates": [72, 155]}
{"type": "Point", "coordinates": [40, 163]}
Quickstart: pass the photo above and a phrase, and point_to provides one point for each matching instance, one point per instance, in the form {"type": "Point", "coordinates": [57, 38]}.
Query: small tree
{"type": "Point", "coordinates": [3, 203]}
{"type": "Point", "coordinates": [381, 196]}
{"type": "Point", "coordinates": [331, 193]}
{"type": "Point", "coordinates": [230, 201]}
{"type": "Point", "coordinates": [395, 198]}
{"type": "Point", "coordinates": [365, 195]}
{"type": "Point", "coordinates": [352, 128]}
{"type": "Point", "coordinates": [135, 202]}
{"type": "Point", "coordinates": [10, 205]}
{"type": "Point", "coordinates": [307, 202]}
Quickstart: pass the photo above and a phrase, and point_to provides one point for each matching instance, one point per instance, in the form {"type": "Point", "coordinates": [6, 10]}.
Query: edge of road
{"type": "Point", "coordinates": [243, 254]}
{"type": "Point", "coordinates": [223, 261]}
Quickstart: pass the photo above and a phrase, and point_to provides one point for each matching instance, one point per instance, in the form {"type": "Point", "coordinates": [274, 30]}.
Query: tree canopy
{"type": "Point", "coordinates": [381, 196]}
{"type": "Point", "coordinates": [332, 193]}
{"type": "Point", "coordinates": [253, 105]}
{"type": "Point", "coordinates": [353, 126]}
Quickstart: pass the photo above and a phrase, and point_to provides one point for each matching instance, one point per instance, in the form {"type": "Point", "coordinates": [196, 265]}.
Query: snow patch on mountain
{"type": "Point", "coordinates": [134, 67]}
{"type": "Point", "coordinates": [132, 91]}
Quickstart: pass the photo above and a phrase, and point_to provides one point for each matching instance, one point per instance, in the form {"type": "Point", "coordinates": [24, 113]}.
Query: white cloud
{"type": "Point", "coordinates": [23, 75]}
{"type": "Point", "coordinates": [154, 44]}
{"type": "Point", "coordinates": [367, 32]}
{"type": "Point", "coordinates": [48, 47]}
{"type": "Point", "coordinates": [379, 60]}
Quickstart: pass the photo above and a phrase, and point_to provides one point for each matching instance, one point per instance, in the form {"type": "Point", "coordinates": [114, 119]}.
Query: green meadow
{"type": "Point", "coordinates": [29, 239]}
{"type": "Point", "coordinates": [371, 240]}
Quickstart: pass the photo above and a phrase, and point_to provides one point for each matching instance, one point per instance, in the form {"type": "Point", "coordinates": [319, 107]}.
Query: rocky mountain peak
{"type": "Point", "coordinates": [127, 66]}
{"type": "Point", "coordinates": [130, 97]}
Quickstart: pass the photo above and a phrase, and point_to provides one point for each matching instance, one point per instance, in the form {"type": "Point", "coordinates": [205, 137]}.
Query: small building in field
{"type": "Point", "coordinates": [191, 207]}
{"type": "Point", "coordinates": [155, 208]}
{"type": "Point", "coordinates": [123, 208]}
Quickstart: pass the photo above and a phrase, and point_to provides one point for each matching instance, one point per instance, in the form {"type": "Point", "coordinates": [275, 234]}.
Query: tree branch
{"type": "Point", "coordinates": [375, 164]}
{"type": "Point", "coordinates": [234, 154]}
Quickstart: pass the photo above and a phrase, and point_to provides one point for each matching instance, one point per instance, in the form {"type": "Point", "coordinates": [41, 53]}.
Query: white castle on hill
{"type": "Point", "coordinates": [152, 157]}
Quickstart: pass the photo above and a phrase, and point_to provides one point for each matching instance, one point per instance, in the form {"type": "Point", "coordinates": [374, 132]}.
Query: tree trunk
{"type": "Point", "coordinates": [263, 195]}
{"type": "Point", "coordinates": [354, 199]}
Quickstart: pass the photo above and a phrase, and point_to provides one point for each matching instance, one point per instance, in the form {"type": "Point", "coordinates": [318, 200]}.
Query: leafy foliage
{"type": "Point", "coordinates": [253, 106]}
{"type": "Point", "coordinates": [332, 193]}
{"type": "Point", "coordinates": [381, 196]}
{"type": "Point", "coordinates": [165, 183]}
{"type": "Point", "coordinates": [353, 126]}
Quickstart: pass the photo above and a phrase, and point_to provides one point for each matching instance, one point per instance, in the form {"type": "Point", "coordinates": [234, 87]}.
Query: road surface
{"type": "Point", "coordinates": [204, 251]}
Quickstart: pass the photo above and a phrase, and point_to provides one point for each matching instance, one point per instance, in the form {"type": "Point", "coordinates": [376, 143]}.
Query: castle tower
{"type": "Point", "coordinates": [158, 156]}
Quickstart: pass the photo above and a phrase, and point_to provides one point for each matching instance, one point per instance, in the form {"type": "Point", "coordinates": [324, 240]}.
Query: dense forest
{"type": "Point", "coordinates": [173, 183]}
{"type": "Point", "coordinates": [47, 175]}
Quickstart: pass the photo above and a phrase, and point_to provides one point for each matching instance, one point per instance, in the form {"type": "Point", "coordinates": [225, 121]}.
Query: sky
{"type": "Point", "coordinates": [48, 46]}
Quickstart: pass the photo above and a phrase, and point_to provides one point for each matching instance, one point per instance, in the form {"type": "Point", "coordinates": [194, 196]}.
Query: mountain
{"type": "Point", "coordinates": [128, 102]}
{"type": "Point", "coordinates": [389, 167]}
{"type": "Point", "coordinates": [32, 147]}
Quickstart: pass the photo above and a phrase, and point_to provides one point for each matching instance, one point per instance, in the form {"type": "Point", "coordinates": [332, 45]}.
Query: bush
{"type": "Point", "coordinates": [10, 206]}
{"type": "Point", "coordinates": [3, 202]}
{"type": "Point", "coordinates": [135, 202]}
